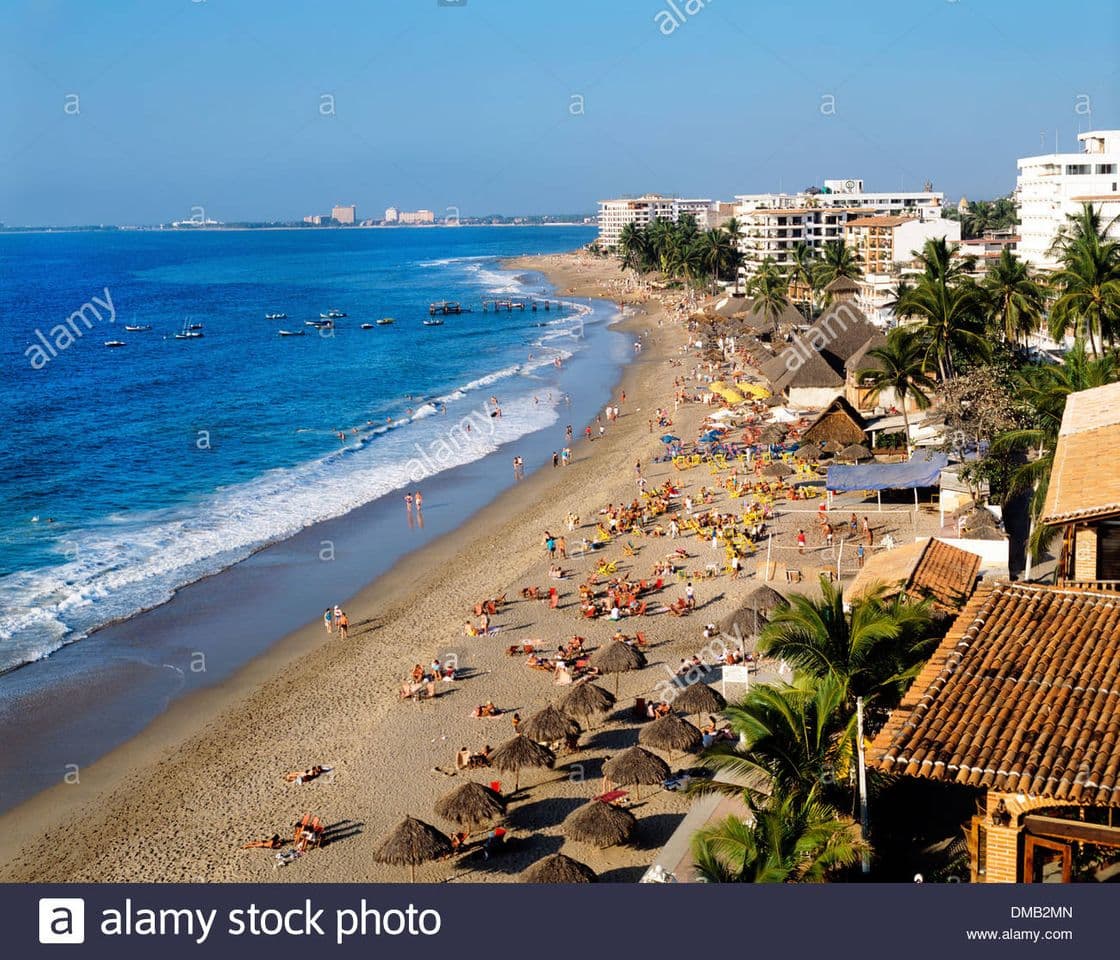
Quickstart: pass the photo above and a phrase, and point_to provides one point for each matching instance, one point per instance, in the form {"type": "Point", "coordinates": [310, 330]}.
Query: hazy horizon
{"type": "Point", "coordinates": [139, 113]}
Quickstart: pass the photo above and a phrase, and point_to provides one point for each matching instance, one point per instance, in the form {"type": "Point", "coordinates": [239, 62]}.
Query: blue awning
{"type": "Point", "coordinates": [922, 470]}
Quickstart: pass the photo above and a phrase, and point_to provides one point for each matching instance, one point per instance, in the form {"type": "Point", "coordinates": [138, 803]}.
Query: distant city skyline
{"type": "Point", "coordinates": [139, 113]}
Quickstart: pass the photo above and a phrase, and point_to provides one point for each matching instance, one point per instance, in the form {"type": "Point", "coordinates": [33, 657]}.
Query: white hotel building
{"type": "Point", "coordinates": [773, 224]}
{"type": "Point", "coordinates": [644, 210]}
{"type": "Point", "coordinates": [1053, 186]}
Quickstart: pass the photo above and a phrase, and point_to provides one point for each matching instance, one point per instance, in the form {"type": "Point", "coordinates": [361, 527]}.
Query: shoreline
{"type": "Point", "coordinates": [182, 729]}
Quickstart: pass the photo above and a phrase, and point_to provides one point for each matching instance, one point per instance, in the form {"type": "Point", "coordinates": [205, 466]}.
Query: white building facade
{"type": "Point", "coordinates": [1053, 186]}
{"type": "Point", "coordinates": [641, 211]}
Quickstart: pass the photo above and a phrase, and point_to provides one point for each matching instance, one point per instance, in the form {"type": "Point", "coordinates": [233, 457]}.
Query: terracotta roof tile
{"type": "Point", "coordinates": [944, 573]}
{"type": "Point", "coordinates": [1022, 696]}
{"type": "Point", "coordinates": [1083, 481]}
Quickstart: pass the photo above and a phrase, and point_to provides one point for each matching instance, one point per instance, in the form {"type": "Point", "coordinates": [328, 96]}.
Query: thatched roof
{"type": "Point", "coordinates": [617, 657]}
{"type": "Point", "coordinates": [521, 752]}
{"type": "Point", "coordinates": [808, 451]}
{"type": "Point", "coordinates": [839, 422]}
{"type": "Point", "coordinates": [777, 469]}
{"type": "Point", "coordinates": [842, 285]}
{"type": "Point", "coordinates": [670, 733]}
{"type": "Point", "coordinates": [470, 805]}
{"type": "Point", "coordinates": [698, 698]}
{"type": "Point", "coordinates": [856, 451]}
{"type": "Point", "coordinates": [548, 725]}
{"type": "Point", "coordinates": [412, 842]}
{"type": "Point", "coordinates": [602, 824]}
{"type": "Point", "coordinates": [636, 766]}
{"type": "Point", "coordinates": [803, 367]}
{"type": "Point", "coordinates": [558, 869]}
{"type": "Point", "coordinates": [586, 699]}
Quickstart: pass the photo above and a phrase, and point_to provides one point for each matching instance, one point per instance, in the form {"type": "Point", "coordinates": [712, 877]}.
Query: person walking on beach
{"type": "Point", "coordinates": [867, 531]}
{"type": "Point", "coordinates": [859, 556]}
{"type": "Point", "coordinates": [562, 547]}
{"type": "Point", "coordinates": [343, 624]}
{"type": "Point", "coordinates": [587, 432]}
{"type": "Point", "coordinates": [800, 541]}
{"type": "Point", "coordinates": [419, 498]}
{"type": "Point", "coordinates": [602, 430]}
{"type": "Point", "coordinates": [690, 596]}
{"type": "Point", "coordinates": [408, 502]}
{"type": "Point", "coordinates": [568, 433]}
{"type": "Point", "coordinates": [327, 620]}
{"type": "Point", "coordinates": [555, 459]}
{"type": "Point", "coordinates": [550, 545]}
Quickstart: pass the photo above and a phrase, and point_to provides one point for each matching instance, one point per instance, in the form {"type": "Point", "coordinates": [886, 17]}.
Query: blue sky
{"type": "Point", "coordinates": [223, 103]}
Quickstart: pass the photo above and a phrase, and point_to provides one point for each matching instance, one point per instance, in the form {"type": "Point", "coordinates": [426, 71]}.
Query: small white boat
{"type": "Point", "coordinates": [332, 314]}
{"type": "Point", "coordinates": [194, 326]}
{"type": "Point", "coordinates": [293, 333]}
{"type": "Point", "coordinates": [367, 326]}
{"type": "Point", "coordinates": [276, 316]}
{"type": "Point", "coordinates": [137, 327]}
{"type": "Point", "coordinates": [190, 331]}
{"type": "Point", "coordinates": [385, 321]}
{"type": "Point", "coordinates": [114, 343]}
{"type": "Point", "coordinates": [433, 323]}
{"type": "Point", "coordinates": [319, 324]}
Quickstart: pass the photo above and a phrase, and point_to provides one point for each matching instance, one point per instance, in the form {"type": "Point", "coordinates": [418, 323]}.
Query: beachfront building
{"type": "Point", "coordinates": [345, 214]}
{"type": "Point", "coordinates": [1053, 186]}
{"type": "Point", "coordinates": [413, 217]}
{"type": "Point", "coordinates": [775, 223]}
{"type": "Point", "coordinates": [641, 211]}
{"type": "Point", "coordinates": [391, 214]}
{"type": "Point", "coordinates": [987, 249]}
{"type": "Point", "coordinates": [1016, 707]}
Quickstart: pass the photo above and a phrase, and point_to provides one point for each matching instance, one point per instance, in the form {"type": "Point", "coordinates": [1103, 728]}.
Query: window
{"type": "Point", "coordinates": [1106, 168]}
{"type": "Point", "coordinates": [1078, 169]}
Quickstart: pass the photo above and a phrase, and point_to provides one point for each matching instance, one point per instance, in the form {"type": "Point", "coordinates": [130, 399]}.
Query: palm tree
{"type": "Point", "coordinates": [873, 648]}
{"type": "Point", "coordinates": [898, 303]}
{"type": "Point", "coordinates": [900, 366]}
{"type": "Point", "coordinates": [787, 840]}
{"type": "Point", "coordinates": [1087, 285]}
{"type": "Point", "coordinates": [804, 270]}
{"type": "Point", "coordinates": [978, 220]}
{"type": "Point", "coordinates": [951, 313]}
{"type": "Point", "coordinates": [791, 738]}
{"type": "Point", "coordinates": [939, 262]}
{"type": "Point", "coordinates": [1015, 301]}
{"type": "Point", "coordinates": [632, 244]}
{"type": "Point", "coordinates": [770, 290]}
{"type": "Point", "coordinates": [716, 249]}
{"type": "Point", "coordinates": [1044, 389]}
{"type": "Point", "coordinates": [662, 238]}
{"type": "Point", "coordinates": [734, 228]}
{"type": "Point", "coordinates": [839, 260]}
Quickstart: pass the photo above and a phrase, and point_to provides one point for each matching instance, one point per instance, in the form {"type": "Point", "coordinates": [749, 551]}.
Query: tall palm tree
{"type": "Point", "coordinates": [837, 260]}
{"type": "Point", "coordinates": [1045, 389]}
{"type": "Point", "coordinates": [791, 738]}
{"type": "Point", "coordinates": [804, 270]}
{"type": "Point", "coordinates": [952, 314]}
{"type": "Point", "coordinates": [734, 229]}
{"type": "Point", "coordinates": [1015, 301]}
{"type": "Point", "coordinates": [873, 648]}
{"type": "Point", "coordinates": [939, 262]}
{"type": "Point", "coordinates": [1087, 286]}
{"type": "Point", "coordinates": [770, 290]}
{"type": "Point", "coordinates": [632, 244]}
{"type": "Point", "coordinates": [662, 237]}
{"type": "Point", "coordinates": [787, 840]}
{"type": "Point", "coordinates": [901, 366]}
{"type": "Point", "coordinates": [716, 249]}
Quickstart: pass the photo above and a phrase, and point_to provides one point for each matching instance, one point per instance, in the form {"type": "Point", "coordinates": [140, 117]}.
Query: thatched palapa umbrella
{"type": "Point", "coordinates": [698, 698]}
{"type": "Point", "coordinates": [586, 700]}
{"type": "Point", "coordinates": [548, 726]}
{"type": "Point", "coordinates": [617, 657]}
{"type": "Point", "coordinates": [636, 767]}
{"type": "Point", "coordinates": [471, 805]}
{"type": "Point", "coordinates": [559, 869]}
{"type": "Point", "coordinates": [753, 614]}
{"type": "Point", "coordinates": [602, 824]}
{"type": "Point", "coordinates": [777, 469]}
{"type": "Point", "coordinates": [521, 752]}
{"type": "Point", "coordinates": [411, 842]}
{"type": "Point", "coordinates": [670, 733]}
{"type": "Point", "coordinates": [808, 451]}
{"type": "Point", "coordinates": [857, 452]}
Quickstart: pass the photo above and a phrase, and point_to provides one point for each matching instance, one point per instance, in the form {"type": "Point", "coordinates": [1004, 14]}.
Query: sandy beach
{"type": "Point", "coordinates": [177, 802]}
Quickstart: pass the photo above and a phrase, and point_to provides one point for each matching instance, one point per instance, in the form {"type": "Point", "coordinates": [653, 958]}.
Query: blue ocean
{"type": "Point", "coordinates": [127, 472]}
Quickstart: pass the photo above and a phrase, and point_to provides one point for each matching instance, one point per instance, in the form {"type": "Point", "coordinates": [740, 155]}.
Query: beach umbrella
{"type": "Point", "coordinates": [616, 657]}
{"type": "Point", "coordinates": [777, 470]}
{"type": "Point", "coordinates": [520, 752]}
{"type": "Point", "coordinates": [670, 733]}
{"type": "Point", "coordinates": [471, 805]}
{"type": "Point", "coordinates": [602, 824]}
{"type": "Point", "coordinates": [549, 725]}
{"type": "Point", "coordinates": [586, 700]}
{"type": "Point", "coordinates": [669, 438]}
{"type": "Point", "coordinates": [411, 842]}
{"type": "Point", "coordinates": [558, 869]}
{"type": "Point", "coordinates": [753, 612]}
{"type": "Point", "coordinates": [832, 446]}
{"type": "Point", "coordinates": [809, 451]}
{"type": "Point", "coordinates": [635, 767]}
{"type": "Point", "coordinates": [698, 698]}
{"type": "Point", "coordinates": [856, 451]}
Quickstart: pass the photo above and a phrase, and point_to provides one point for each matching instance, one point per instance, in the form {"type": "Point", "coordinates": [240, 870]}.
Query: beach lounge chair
{"type": "Point", "coordinates": [611, 796]}
{"type": "Point", "coordinates": [641, 640]}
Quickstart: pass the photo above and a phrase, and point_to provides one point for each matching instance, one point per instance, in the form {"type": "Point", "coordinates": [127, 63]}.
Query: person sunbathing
{"type": "Point", "coordinates": [303, 776]}
{"type": "Point", "coordinates": [458, 840]}
{"type": "Point", "coordinates": [469, 629]}
{"type": "Point", "coordinates": [417, 673]}
{"type": "Point", "coordinates": [487, 709]}
{"type": "Point", "coordinates": [480, 759]}
{"type": "Point", "coordinates": [272, 843]}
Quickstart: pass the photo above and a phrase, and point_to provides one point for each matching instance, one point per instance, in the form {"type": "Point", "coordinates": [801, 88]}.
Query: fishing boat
{"type": "Point", "coordinates": [276, 316]}
{"type": "Point", "coordinates": [332, 314]}
{"type": "Point", "coordinates": [319, 324]}
{"type": "Point", "coordinates": [137, 327]}
{"type": "Point", "coordinates": [433, 323]}
{"type": "Point", "coordinates": [385, 321]}
{"type": "Point", "coordinates": [367, 326]}
{"type": "Point", "coordinates": [292, 333]}
{"type": "Point", "coordinates": [190, 331]}
{"type": "Point", "coordinates": [114, 343]}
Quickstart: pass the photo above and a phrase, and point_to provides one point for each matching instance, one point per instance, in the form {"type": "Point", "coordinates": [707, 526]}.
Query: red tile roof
{"type": "Point", "coordinates": [1022, 696]}
{"type": "Point", "coordinates": [945, 574]}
